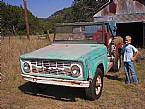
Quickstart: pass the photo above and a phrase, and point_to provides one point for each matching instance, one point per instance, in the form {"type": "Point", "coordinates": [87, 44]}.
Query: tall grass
{"type": "Point", "coordinates": [11, 49]}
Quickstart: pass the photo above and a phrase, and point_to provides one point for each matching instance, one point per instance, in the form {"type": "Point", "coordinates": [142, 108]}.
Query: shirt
{"type": "Point", "coordinates": [128, 50]}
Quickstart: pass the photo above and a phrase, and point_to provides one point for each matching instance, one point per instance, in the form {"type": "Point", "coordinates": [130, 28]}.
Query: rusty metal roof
{"type": "Point", "coordinates": [126, 18]}
{"type": "Point", "coordinates": [122, 18]}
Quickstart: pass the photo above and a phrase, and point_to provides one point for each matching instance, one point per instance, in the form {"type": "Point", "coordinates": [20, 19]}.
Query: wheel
{"type": "Point", "coordinates": [96, 85]}
{"type": "Point", "coordinates": [116, 64]}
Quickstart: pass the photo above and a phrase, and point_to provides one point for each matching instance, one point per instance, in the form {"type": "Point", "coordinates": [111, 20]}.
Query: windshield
{"type": "Point", "coordinates": [79, 33]}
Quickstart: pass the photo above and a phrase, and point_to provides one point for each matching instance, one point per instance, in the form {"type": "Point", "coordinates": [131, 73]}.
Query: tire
{"type": "Point", "coordinates": [94, 91]}
{"type": "Point", "coordinates": [116, 64]}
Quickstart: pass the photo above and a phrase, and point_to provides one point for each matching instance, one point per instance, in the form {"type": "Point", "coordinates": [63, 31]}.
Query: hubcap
{"type": "Point", "coordinates": [98, 84]}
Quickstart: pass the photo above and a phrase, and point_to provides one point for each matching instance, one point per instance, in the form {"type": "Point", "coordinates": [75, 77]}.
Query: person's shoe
{"type": "Point", "coordinates": [135, 83]}
{"type": "Point", "coordinates": [127, 82]}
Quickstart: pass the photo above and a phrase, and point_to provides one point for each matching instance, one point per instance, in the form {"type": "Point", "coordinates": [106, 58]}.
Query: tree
{"type": "Point", "coordinates": [12, 21]}
{"type": "Point", "coordinates": [83, 10]}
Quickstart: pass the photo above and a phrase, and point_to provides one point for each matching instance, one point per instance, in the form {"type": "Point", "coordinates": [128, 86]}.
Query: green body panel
{"type": "Point", "coordinates": [89, 55]}
{"type": "Point", "coordinates": [96, 58]}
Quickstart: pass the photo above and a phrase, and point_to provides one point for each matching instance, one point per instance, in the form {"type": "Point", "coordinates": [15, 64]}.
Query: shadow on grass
{"type": "Point", "coordinates": [51, 91]}
{"type": "Point", "coordinates": [113, 77]}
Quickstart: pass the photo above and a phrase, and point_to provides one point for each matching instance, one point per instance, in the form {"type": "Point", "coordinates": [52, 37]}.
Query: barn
{"type": "Point", "coordinates": [129, 16]}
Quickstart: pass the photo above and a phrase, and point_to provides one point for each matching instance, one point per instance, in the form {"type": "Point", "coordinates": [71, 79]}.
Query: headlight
{"type": "Point", "coordinates": [26, 67]}
{"type": "Point", "coordinates": [76, 70]}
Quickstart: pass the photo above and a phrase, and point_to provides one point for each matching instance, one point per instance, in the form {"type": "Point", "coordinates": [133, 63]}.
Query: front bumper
{"type": "Point", "coordinates": [55, 81]}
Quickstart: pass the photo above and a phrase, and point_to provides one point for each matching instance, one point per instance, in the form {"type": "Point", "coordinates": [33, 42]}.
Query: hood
{"type": "Point", "coordinates": [63, 51]}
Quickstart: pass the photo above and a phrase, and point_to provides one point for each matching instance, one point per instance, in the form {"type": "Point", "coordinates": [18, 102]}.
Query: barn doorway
{"type": "Point", "coordinates": [133, 29]}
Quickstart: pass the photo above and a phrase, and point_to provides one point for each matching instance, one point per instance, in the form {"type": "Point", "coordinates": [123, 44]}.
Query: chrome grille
{"type": "Point", "coordinates": [50, 67]}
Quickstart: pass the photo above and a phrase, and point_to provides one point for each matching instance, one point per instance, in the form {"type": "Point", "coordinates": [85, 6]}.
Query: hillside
{"type": "Point", "coordinates": [13, 20]}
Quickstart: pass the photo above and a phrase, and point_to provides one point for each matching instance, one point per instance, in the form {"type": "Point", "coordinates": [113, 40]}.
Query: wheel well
{"type": "Point", "coordinates": [102, 68]}
{"type": "Point", "coordinates": [99, 66]}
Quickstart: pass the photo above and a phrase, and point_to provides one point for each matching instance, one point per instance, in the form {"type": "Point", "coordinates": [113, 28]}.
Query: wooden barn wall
{"type": "Point", "coordinates": [123, 7]}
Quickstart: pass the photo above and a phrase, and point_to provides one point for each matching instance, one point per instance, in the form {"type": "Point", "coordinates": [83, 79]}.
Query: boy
{"type": "Point", "coordinates": [129, 55]}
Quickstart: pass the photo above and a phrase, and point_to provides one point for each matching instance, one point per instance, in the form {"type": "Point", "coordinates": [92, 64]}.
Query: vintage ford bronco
{"type": "Point", "coordinates": [79, 56]}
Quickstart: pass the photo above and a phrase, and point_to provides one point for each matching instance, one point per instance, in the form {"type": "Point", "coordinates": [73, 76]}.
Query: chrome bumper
{"type": "Point", "coordinates": [54, 81]}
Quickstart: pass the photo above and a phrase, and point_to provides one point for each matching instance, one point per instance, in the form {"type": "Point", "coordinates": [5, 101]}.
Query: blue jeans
{"type": "Point", "coordinates": [129, 71]}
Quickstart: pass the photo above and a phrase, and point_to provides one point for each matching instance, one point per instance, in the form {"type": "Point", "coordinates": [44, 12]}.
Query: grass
{"type": "Point", "coordinates": [15, 93]}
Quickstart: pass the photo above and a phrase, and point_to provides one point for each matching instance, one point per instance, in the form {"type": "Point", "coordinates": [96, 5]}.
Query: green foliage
{"type": "Point", "coordinates": [12, 21]}
{"type": "Point", "coordinates": [62, 16]}
{"type": "Point", "coordinates": [80, 11]}
{"type": "Point", "coordinates": [84, 10]}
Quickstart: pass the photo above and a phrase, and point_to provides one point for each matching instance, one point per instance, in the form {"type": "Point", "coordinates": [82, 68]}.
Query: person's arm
{"type": "Point", "coordinates": [135, 54]}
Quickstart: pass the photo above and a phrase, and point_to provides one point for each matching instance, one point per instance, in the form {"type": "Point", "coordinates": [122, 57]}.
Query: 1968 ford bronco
{"type": "Point", "coordinates": [79, 56]}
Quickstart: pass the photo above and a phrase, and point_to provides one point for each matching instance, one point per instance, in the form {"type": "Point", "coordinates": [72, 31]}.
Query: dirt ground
{"type": "Point", "coordinates": [16, 93]}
